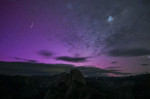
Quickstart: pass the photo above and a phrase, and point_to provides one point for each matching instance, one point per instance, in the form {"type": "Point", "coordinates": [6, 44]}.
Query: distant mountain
{"type": "Point", "coordinates": [29, 69]}
{"type": "Point", "coordinates": [73, 85]}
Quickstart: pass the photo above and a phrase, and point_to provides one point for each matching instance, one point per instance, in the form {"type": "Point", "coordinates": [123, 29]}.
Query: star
{"type": "Point", "coordinates": [110, 19]}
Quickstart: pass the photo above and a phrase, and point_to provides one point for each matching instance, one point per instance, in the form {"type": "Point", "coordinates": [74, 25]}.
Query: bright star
{"type": "Point", "coordinates": [110, 18]}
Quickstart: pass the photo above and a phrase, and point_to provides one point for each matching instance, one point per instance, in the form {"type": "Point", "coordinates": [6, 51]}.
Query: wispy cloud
{"type": "Point", "coordinates": [145, 65]}
{"type": "Point", "coordinates": [113, 67]}
{"type": "Point", "coordinates": [25, 60]}
{"type": "Point", "coordinates": [114, 62]}
{"type": "Point", "coordinates": [45, 53]}
{"type": "Point", "coordinates": [31, 61]}
{"type": "Point", "coordinates": [72, 59]}
{"type": "Point", "coordinates": [129, 52]}
{"type": "Point", "coordinates": [18, 58]}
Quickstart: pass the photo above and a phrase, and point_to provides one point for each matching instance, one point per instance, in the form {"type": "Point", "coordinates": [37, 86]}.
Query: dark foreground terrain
{"type": "Point", "coordinates": [74, 86]}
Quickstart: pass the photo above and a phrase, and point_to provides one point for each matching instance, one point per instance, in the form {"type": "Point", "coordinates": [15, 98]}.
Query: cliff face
{"type": "Point", "coordinates": [73, 86]}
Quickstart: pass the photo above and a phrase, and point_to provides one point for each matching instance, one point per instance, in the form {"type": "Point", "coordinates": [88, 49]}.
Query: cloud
{"type": "Point", "coordinates": [32, 61]}
{"type": "Point", "coordinates": [145, 2]}
{"type": "Point", "coordinates": [114, 62]}
{"type": "Point", "coordinates": [113, 67]}
{"type": "Point", "coordinates": [129, 52]}
{"type": "Point", "coordinates": [23, 68]}
{"type": "Point", "coordinates": [27, 60]}
{"type": "Point", "coordinates": [145, 64]}
{"type": "Point", "coordinates": [72, 59]}
{"type": "Point", "coordinates": [45, 53]}
{"type": "Point", "coordinates": [94, 71]}
{"type": "Point", "coordinates": [18, 58]}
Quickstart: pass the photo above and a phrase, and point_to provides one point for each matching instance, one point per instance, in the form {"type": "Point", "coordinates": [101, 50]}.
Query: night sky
{"type": "Point", "coordinates": [107, 34]}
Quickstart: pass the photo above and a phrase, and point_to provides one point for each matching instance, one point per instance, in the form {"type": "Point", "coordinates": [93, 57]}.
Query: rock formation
{"type": "Point", "coordinates": [73, 86]}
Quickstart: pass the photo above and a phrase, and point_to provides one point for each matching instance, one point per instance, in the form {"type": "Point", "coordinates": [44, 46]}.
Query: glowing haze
{"type": "Point", "coordinates": [108, 34]}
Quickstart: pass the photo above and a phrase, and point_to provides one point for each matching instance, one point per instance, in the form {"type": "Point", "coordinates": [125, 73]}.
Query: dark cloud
{"type": "Point", "coordinates": [72, 59]}
{"type": "Point", "coordinates": [114, 62]}
{"type": "Point", "coordinates": [93, 71]}
{"type": "Point", "coordinates": [26, 60]}
{"type": "Point", "coordinates": [25, 68]}
{"type": "Point", "coordinates": [32, 61]}
{"type": "Point", "coordinates": [145, 2]}
{"type": "Point", "coordinates": [18, 58]}
{"type": "Point", "coordinates": [113, 67]}
{"type": "Point", "coordinates": [45, 53]}
{"type": "Point", "coordinates": [145, 64]}
{"type": "Point", "coordinates": [129, 52]}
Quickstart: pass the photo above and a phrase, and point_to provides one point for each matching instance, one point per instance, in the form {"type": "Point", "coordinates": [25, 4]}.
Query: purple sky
{"type": "Point", "coordinates": [99, 33]}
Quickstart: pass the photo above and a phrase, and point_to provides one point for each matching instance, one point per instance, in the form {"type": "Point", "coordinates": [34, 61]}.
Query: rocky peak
{"type": "Point", "coordinates": [77, 76]}
{"type": "Point", "coordinates": [73, 86]}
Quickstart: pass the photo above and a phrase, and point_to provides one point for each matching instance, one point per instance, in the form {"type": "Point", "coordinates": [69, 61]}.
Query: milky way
{"type": "Point", "coordinates": [98, 31]}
